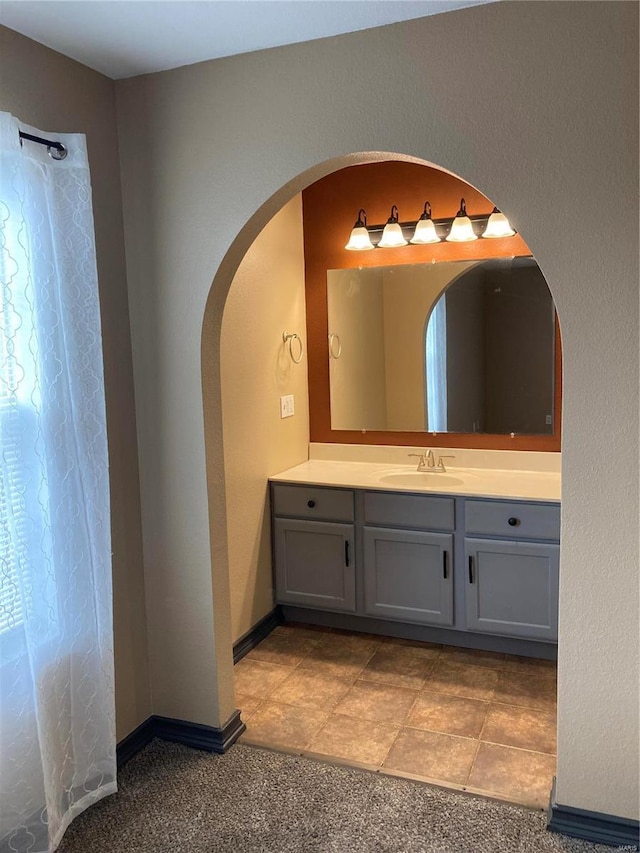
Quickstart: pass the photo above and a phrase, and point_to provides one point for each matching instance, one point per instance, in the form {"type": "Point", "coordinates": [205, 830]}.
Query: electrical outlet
{"type": "Point", "coordinates": [548, 420]}
{"type": "Point", "coordinates": [286, 406]}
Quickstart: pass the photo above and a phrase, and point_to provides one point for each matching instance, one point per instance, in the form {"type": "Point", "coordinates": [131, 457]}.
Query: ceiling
{"type": "Point", "coordinates": [124, 38]}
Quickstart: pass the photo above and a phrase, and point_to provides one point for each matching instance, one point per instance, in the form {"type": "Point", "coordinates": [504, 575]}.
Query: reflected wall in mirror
{"type": "Point", "coordinates": [459, 347]}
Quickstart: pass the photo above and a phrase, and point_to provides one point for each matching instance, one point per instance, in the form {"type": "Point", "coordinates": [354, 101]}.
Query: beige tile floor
{"type": "Point", "coordinates": [477, 721]}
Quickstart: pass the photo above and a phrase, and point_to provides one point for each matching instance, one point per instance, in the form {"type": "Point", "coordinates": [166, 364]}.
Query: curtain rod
{"type": "Point", "coordinates": [56, 149]}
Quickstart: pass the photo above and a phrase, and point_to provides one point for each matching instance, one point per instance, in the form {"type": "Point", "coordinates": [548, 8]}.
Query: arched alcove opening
{"type": "Point", "coordinates": [213, 403]}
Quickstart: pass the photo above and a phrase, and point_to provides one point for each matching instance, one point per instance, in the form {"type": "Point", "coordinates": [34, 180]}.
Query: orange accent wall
{"type": "Point", "coordinates": [330, 208]}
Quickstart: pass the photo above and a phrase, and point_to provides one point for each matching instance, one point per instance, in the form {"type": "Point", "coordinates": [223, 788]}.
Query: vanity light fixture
{"type": "Point", "coordinates": [425, 228]}
{"type": "Point", "coordinates": [392, 236]}
{"type": "Point", "coordinates": [359, 240]}
{"type": "Point", "coordinates": [498, 225]}
{"type": "Point", "coordinates": [461, 227]}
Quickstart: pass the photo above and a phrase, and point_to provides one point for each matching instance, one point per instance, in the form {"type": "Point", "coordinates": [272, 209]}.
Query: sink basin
{"type": "Point", "coordinates": [419, 479]}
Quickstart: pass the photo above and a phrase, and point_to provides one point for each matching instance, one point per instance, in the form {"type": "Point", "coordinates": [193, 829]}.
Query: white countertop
{"type": "Point", "coordinates": [468, 482]}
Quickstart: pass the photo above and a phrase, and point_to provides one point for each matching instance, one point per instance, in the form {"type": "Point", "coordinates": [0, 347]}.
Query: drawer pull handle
{"type": "Point", "coordinates": [311, 505]}
{"type": "Point", "coordinates": [444, 564]}
{"type": "Point", "coordinates": [470, 569]}
{"type": "Point", "coordinates": [346, 552]}
{"type": "Point", "coordinates": [513, 522]}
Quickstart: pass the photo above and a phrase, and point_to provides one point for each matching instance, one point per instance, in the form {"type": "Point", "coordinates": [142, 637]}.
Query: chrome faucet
{"type": "Point", "coordinates": [427, 461]}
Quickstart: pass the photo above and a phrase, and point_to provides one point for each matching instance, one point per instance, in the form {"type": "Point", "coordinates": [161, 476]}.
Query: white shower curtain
{"type": "Point", "coordinates": [57, 720]}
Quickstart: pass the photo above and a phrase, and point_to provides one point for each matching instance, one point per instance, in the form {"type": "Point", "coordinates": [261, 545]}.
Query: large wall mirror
{"type": "Point", "coordinates": [450, 347]}
{"type": "Point", "coordinates": [450, 344]}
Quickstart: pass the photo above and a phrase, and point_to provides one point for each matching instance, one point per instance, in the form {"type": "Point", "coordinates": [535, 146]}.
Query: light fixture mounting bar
{"type": "Point", "coordinates": [478, 221]}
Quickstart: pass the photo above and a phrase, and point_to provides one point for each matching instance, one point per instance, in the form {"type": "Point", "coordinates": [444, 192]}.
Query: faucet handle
{"type": "Point", "coordinates": [440, 463]}
{"type": "Point", "coordinates": [421, 460]}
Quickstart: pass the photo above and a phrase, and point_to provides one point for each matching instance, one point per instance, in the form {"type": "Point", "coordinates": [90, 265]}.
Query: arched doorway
{"type": "Point", "coordinates": [221, 428]}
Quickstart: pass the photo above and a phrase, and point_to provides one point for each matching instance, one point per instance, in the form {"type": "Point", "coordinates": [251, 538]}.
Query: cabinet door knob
{"type": "Point", "coordinates": [513, 522]}
{"type": "Point", "coordinates": [311, 505]}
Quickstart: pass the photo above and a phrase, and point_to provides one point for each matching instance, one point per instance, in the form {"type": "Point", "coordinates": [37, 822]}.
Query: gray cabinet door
{"type": "Point", "coordinates": [512, 588]}
{"type": "Point", "coordinates": [408, 575]}
{"type": "Point", "coordinates": [315, 564]}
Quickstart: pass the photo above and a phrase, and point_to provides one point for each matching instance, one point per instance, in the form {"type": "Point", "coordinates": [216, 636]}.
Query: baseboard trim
{"type": "Point", "coordinates": [423, 633]}
{"type": "Point", "coordinates": [194, 735]}
{"type": "Point", "coordinates": [257, 634]}
{"type": "Point", "coordinates": [198, 736]}
{"type": "Point", "coordinates": [593, 826]}
{"type": "Point", "coordinates": [135, 741]}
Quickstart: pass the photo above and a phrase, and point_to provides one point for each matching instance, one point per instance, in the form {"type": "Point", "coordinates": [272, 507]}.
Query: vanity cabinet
{"type": "Point", "coordinates": [439, 563]}
{"type": "Point", "coordinates": [512, 581]}
{"type": "Point", "coordinates": [408, 573]}
{"type": "Point", "coordinates": [315, 551]}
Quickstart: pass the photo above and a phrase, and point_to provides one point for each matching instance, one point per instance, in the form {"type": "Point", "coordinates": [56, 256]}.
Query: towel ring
{"type": "Point", "coordinates": [335, 352]}
{"type": "Point", "coordinates": [291, 337]}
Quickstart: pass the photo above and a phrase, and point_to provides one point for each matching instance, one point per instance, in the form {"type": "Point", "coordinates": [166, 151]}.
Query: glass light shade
{"type": "Point", "coordinates": [425, 232]}
{"type": "Point", "coordinates": [498, 225]}
{"type": "Point", "coordinates": [392, 236]}
{"type": "Point", "coordinates": [359, 241]}
{"type": "Point", "coordinates": [461, 230]}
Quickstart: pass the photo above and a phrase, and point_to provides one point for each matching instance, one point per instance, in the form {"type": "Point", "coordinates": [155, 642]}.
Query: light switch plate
{"type": "Point", "coordinates": [286, 406]}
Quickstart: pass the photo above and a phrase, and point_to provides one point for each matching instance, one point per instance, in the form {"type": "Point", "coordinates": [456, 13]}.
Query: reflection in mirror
{"type": "Point", "coordinates": [464, 346]}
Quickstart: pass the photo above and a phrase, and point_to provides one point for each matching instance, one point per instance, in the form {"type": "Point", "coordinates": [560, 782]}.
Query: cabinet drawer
{"type": "Point", "coordinates": [411, 511]}
{"type": "Point", "coordinates": [312, 502]}
{"type": "Point", "coordinates": [514, 520]}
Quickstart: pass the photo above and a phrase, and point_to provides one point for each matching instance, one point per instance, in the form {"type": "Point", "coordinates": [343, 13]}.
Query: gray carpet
{"type": "Point", "coordinates": [176, 800]}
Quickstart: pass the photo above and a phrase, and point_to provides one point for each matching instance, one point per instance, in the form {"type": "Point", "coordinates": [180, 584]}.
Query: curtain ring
{"type": "Point", "coordinates": [57, 152]}
{"type": "Point", "coordinates": [291, 337]}
{"type": "Point", "coordinates": [333, 351]}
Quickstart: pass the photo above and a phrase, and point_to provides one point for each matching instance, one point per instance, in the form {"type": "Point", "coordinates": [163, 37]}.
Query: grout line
{"type": "Point", "coordinates": [441, 692]}
{"type": "Point", "coordinates": [408, 714]}
{"type": "Point", "coordinates": [317, 732]}
{"type": "Point", "coordinates": [362, 677]}
{"type": "Point", "coordinates": [484, 723]}
{"type": "Point", "coordinates": [393, 743]}
{"type": "Point", "coordinates": [520, 748]}
{"type": "Point", "coordinates": [524, 707]}
{"type": "Point", "coordinates": [436, 732]}
{"type": "Point", "coordinates": [472, 765]}
{"type": "Point", "coordinates": [330, 709]}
